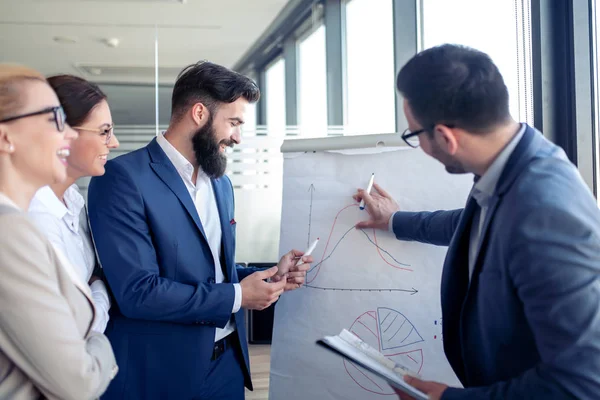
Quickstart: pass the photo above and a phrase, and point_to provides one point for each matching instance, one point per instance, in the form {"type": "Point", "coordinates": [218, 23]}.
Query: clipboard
{"type": "Point", "coordinates": [354, 349]}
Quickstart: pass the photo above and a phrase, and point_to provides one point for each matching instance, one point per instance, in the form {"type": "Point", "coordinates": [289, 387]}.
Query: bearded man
{"type": "Point", "coordinates": [162, 219]}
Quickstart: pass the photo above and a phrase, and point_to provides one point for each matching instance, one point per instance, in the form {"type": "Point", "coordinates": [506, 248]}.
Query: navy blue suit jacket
{"type": "Point", "coordinates": [527, 326]}
{"type": "Point", "coordinates": [161, 272]}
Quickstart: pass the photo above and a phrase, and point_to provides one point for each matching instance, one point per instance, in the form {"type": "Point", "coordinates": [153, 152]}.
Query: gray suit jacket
{"type": "Point", "coordinates": [527, 324]}
{"type": "Point", "coordinates": [46, 347]}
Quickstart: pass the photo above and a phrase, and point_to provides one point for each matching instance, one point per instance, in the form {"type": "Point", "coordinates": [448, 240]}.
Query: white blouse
{"type": "Point", "coordinates": [68, 230]}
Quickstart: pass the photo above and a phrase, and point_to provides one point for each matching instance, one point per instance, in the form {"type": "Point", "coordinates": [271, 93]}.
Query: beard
{"type": "Point", "coordinates": [208, 151]}
{"type": "Point", "coordinates": [452, 165]}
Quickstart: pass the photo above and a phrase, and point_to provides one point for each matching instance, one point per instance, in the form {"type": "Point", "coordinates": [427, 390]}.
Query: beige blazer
{"type": "Point", "coordinates": [47, 348]}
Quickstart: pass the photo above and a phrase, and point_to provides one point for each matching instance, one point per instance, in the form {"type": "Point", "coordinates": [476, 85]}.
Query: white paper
{"type": "Point", "coordinates": [367, 356]}
{"type": "Point", "coordinates": [385, 291]}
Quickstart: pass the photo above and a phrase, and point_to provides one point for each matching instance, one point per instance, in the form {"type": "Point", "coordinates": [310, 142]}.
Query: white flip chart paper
{"type": "Point", "coordinates": [385, 291]}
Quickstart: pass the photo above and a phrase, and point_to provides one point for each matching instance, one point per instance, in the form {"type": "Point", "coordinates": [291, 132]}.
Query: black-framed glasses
{"type": "Point", "coordinates": [107, 131]}
{"type": "Point", "coordinates": [59, 116]}
{"type": "Point", "coordinates": [410, 137]}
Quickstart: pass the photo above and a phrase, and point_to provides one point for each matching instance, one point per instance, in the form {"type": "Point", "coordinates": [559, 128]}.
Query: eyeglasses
{"type": "Point", "coordinates": [106, 131]}
{"type": "Point", "coordinates": [410, 138]}
{"type": "Point", "coordinates": [59, 116]}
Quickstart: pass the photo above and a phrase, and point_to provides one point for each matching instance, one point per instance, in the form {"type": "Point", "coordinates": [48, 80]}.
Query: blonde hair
{"type": "Point", "coordinates": [11, 78]}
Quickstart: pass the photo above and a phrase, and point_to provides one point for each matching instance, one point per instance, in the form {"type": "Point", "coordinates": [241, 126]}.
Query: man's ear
{"type": "Point", "coordinates": [200, 114]}
{"type": "Point", "coordinates": [446, 138]}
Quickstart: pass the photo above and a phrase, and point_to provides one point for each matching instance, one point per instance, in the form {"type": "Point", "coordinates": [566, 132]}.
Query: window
{"type": "Point", "coordinates": [275, 93]}
{"type": "Point", "coordinates": [498, 28]}
{"type": "Point", "coordinates": [249, 127]}
{"type": "Point", "coordinates": [371, 93]}
{"type": "Point", "coordinates": [596, 91]}
{"type": "Point", "coordinates": [312, 88]}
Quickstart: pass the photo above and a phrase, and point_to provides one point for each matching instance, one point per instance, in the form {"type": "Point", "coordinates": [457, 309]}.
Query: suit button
{"type": "Point", "coordinates": [211, 280]}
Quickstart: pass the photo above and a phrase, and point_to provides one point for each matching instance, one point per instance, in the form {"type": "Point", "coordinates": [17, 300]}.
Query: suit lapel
{"type": "Point", "coordinates": [226, 239]}
{"type": "Point", "coordinates": [521, 155]}
{"type": "Point", "coordinates": [70, 270]}
{"type": "Point", "coordinates": [455, 280]}
{"type": "Point", "coordinates": [165, 170]}
{"type": "Point", "coordinates": [489, 215]}
{"type": "Point", "coordinates": [518, 160]}
{"type": "Point", "coordinates": [456, 263]}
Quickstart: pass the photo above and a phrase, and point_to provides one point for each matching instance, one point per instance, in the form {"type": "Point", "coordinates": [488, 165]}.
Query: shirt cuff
{"type": "Point", "coordinates": [101, 304]}
{"type": "Point", "coordinates": [391, 223]}
{"type": "Point", "coordinates": [100, 292]}
{"type": "Point", "coordinates": [237, 303]}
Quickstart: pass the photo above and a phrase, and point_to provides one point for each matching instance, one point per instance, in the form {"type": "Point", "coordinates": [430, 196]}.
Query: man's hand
{"type": "Point", "coordinates": [258, 294]}
{"type": "Point", "coordinates": [380, 206]}
{"type": "Point", "coordinates": [296, 275]}
{"type": "Point", "coordinates": [433, 389]}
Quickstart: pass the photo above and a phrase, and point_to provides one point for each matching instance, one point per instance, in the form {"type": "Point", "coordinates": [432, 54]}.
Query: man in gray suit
{"type": "Point", "coordinates": [521, 281]}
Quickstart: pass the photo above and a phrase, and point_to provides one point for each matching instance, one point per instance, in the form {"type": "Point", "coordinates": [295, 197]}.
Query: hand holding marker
{"type": "Point", "coordinates": [308, 252]}
{"type": "Point", "coordinates": [369, 187]}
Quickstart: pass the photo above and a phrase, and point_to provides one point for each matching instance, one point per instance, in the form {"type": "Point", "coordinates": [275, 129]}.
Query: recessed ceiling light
{"type": "Point", "coordinates": [112, 42]}
{"type": "Point", "coordinates": [65, 39]}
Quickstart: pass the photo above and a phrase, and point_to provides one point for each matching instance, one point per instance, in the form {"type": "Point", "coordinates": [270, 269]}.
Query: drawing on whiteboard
{"type": "Point", "coordinates": [307, 314]}
{"type": "Point", "coordinates": [395, 336]}
{"type": "Point", "coordinates": [333, 243]}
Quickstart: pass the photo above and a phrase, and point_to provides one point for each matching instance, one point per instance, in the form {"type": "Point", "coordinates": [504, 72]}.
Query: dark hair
{"type": "Point", "coordinates": [456, 86]}
{"type": "Point", "coordinates": [210, 84]}
{"type": "Point", "coordinates": [77, 96]}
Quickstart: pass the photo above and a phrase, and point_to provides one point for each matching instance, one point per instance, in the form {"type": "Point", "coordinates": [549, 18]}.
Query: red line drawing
{"type": "Point", "coordinates": [375, 328]}
{"type": "Point", "coordinates": [383, 258]}
{"type": "Point", "coordinates": [367, 328]}
{"type": "Point", "coordinates": [317, 268]}
{"type": "Point", "coordinates": [365, 375]}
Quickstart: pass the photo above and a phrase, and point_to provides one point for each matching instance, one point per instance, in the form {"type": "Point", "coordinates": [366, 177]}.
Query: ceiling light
{"type": "Point", "coordinates": [64, 39]}
{"type": "Point", "coordinates": [112, 42]}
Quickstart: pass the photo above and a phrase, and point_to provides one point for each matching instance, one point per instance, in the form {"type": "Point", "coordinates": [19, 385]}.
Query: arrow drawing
{"type": "Point", "coordinates": [311, 189]}
{"type": "Point", "coordinates": [412, 291]}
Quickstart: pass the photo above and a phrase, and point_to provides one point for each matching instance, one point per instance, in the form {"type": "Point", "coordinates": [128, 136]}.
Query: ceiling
{"type": "Point", "coordinates": [70, 36]}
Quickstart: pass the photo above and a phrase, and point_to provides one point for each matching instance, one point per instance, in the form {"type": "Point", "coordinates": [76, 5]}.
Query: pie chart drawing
{"type": "Point", "coordinates": [395, 336]}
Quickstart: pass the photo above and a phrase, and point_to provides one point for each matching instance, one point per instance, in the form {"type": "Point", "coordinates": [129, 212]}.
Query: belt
{"type": "Point", "coordinates": [221, 346]}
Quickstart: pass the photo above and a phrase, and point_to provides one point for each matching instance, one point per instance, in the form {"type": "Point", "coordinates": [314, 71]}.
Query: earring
{"type": "Point", "coordinates": [11, 148]}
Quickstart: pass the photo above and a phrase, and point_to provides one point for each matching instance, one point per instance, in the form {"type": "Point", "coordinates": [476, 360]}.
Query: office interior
{"type": "Point", "coordinates": [324, 68]}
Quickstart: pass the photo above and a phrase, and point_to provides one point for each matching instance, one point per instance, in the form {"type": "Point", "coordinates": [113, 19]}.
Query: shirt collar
{"type": "Point", "coordinates": [45, 200]}
{"type": "Point", "coordinates": [74, 200]}
{"type": "Point", "coordinates": [181, 164]}
{"type": "Point", "coordinates": [485, 186]}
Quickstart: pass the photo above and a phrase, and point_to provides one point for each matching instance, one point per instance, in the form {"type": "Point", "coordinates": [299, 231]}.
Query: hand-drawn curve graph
{"type": "Point", "coordinates": [395, 336]}
{"type": "Point", "coordinates": [332, 244]}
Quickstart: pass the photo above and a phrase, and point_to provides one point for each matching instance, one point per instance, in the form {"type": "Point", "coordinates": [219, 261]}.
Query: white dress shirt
{"type": "Point", "coordinates": [66, 226]}
{"type": "Point", "coordinates": [203, 197]}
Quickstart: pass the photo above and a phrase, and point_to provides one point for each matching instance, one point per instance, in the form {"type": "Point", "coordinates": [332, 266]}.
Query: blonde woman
{"type": "Point", "coordinates": [47, 347]}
